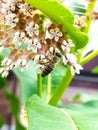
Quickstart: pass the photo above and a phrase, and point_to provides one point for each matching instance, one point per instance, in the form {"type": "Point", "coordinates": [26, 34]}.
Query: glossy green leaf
{"type": "Point", "coordinates": [27, 81]}
{"type": "Point", "coordinates": [61, 15]}
{"type": "Point", "coordinates": [42, 116]}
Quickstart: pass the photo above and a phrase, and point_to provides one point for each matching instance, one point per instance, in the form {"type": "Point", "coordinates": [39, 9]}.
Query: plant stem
{"type": "Point", "coordinates": [48, 88]}
{"type": "Point", "coordinates": [62, 86]}
{"type": "Point", "coordinates": [86, 30]}
{"type": "Point", "coordinates": [88, 14]}
{"type": "Point", "coordinates": [39, 85]}
{"type": "Point", "coordinates": [89, 57]}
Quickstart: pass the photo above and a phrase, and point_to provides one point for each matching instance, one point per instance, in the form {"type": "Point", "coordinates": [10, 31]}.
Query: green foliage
{"type": "Point", "coordinates": [27, 81]}
{"type": "Point", "coordinates": [72, 117]}
{"type": "Point", "coordinates": [44, 117]}
{"type": "Point", "coordinates": [85, 115]}
{"type": "Point", "coordinates": [84, 97]}
{"type": "Point", "coordinates": [56, 76]}
{"type": "Point", "coordinates": [1, 121]}
{"type": "Point", "coordinates": [95, 70]}
{"type": "Point", "coordinates": [61, 87]}
{"type": "Point", "coordinates": [61, 15]}
{"type": "Point", "coordinates": [18, 125]}
{"type": "Point", "coordinates": [2, 82]}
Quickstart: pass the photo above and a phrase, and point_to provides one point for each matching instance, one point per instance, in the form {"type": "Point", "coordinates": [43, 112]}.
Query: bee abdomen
{"type": "Point", "coordinates": [47, 70]}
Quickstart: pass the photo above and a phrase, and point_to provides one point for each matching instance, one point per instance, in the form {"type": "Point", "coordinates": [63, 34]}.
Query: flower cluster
{"type": "Point", "coordinates": [31, 36]}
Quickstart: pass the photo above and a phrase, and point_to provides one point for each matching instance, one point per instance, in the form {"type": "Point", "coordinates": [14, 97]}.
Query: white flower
{"type": "Point", "coordinates": [40, 59]}
{"type": "Point", "coordinates": [26, 9]}
{"type": "Point", "coordinates": [4, 71]}
{"type": "Point", "coordinates": [20, 38]}
{"type": "Point", "coordinates": [55, 33]}
{"type": "Point", "coordinates": [40, 68]}
{"type": "Point", "coordinates": [32, 29]}
{"type": "Point", "coordinates": [71, 60]}
{"type": "Point", "coordinates": [36, 58]}
{"type": "Point", "coordinates": [76, 68]}
{"type": "Point", "coordinates": [22, 63]}
{"type": "Point", "coordinates": [51, 50]}
{"type": "Point", "coordinates": [80, 21]}
{"type": "Point", "coordinates": [4, 8]}
{"type": "Point", "coordinates": [11, 20]}
{"type": "Point", "coordinates": [66, 45]}
{"type": "Point", "coordinates": [7, 62]}
{"type": "Point", "coordinates": [34, 45]}
{"type": "Point", "coordinates": [15, 1]}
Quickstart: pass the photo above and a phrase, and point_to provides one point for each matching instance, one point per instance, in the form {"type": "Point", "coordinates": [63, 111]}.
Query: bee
{"type": "Point", "coordinates": [50, 66]}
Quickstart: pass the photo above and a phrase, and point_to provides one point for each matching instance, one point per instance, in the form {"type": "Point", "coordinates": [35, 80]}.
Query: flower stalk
{"type": "Point", "coordinates": [62, 86]}
{"type": "Point", "coordinates": [39, 84]}
{"type": "Point", "coordinates": [89, 57]}
{"type": "Point", "coordinates": [48, 88]}
{"type": "Point", "coordinates": [88, 14]}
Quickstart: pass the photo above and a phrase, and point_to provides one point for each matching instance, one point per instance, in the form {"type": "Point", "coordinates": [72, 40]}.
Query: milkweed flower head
{"type": "Point", "coordinates": [30, 35]}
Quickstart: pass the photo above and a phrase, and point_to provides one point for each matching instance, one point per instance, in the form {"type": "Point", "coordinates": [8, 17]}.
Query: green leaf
{"type": "Point", "coordinates": [44, 117]}
{"type": "Point", "coordinates": [41, 116]}
{"type": "Point", "coordinates": [61, 15]}
{"type": "Point", "coordinates": [85, 115]}
{"type": "Point", "coordinates": [27, 81]}
{"type": "Point", "coordinates": [56, 76]}
{"type": "Point", "coordinates": [91, 106]}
